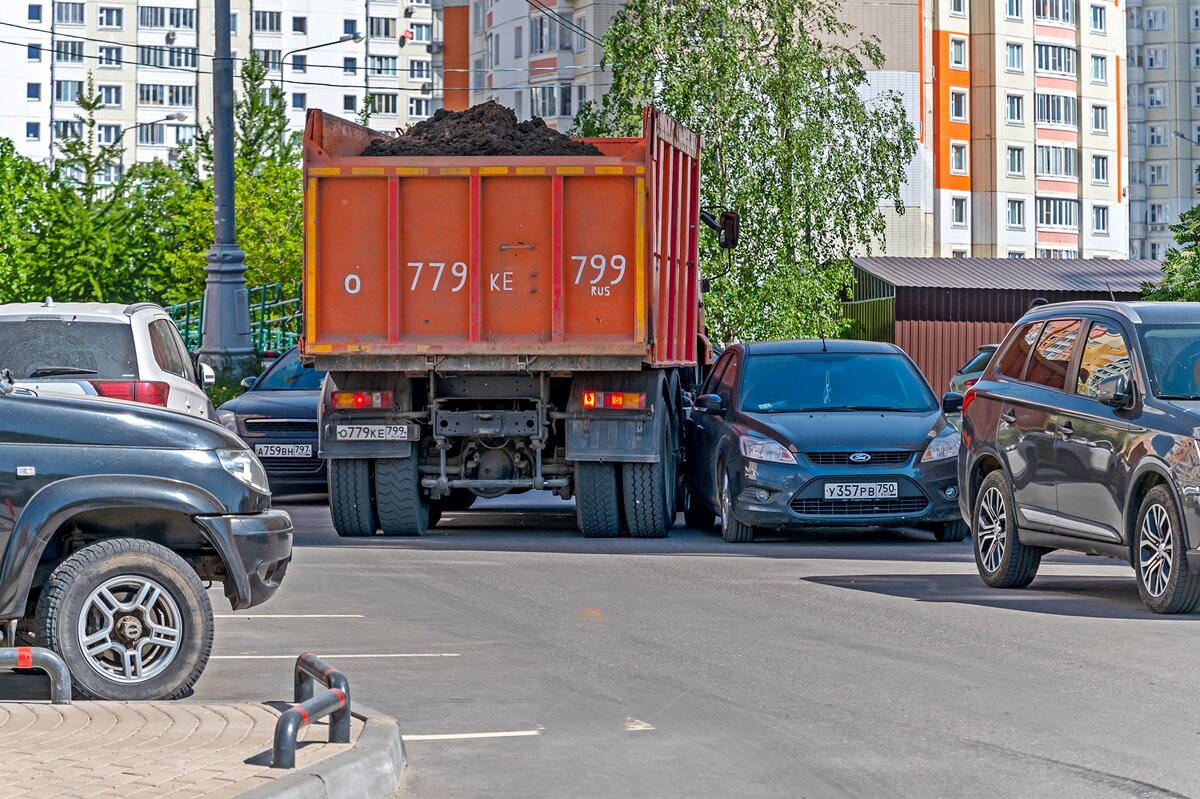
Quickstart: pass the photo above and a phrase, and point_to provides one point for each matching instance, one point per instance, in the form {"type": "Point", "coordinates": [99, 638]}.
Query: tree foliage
{"type": "Point", "coordinates": [775, 88]}
{"type": "Point", "coordinates": [1181, 271]}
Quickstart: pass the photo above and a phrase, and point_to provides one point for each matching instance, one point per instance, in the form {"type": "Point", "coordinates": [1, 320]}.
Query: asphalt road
{"type": "Point", "coordinates": [830, 664]}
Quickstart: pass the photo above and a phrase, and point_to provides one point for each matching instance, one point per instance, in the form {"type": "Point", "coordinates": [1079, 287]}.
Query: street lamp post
{"type": "Point", "coordinates": [176, 117]}
{"type": "Point", "coordinates": [225, 326]}
{"type": "Point", "coordinates": [355, 37]}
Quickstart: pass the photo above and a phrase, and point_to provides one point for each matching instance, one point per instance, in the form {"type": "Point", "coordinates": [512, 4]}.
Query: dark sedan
{"type": "Point", "coordinates": [277, 417]}
{"type": "Point", "coordinates": [809, 433]}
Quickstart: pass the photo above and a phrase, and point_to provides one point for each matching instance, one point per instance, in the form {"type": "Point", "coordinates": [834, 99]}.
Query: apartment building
{"type": "Point", "coordinates": [1164, 120]}
{"type": "Point", "coordinates": [538, 58]}
{"type": "Point", "coordinates": [151, 62]}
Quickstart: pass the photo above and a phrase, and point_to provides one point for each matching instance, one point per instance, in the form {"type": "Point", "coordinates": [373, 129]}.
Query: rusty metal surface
{"type": "Point", "coordinates": [941, 348]}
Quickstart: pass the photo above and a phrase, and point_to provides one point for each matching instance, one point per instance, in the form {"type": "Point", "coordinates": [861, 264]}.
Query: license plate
{"type": "Point", "coordinates": [283, 450]}
{"type": "Point", "coordinates": [372, 432]}
{"type": "Point", "coordinates": [861, 490]}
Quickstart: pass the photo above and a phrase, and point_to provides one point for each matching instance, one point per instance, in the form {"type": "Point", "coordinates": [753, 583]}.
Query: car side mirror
{"type": "Point", "coordinates": [1115, 391]}
{"type": "Point", "coordinates": [952, 402]}
{"type": "Point", "coordinates": [709, 403]}
{"type": "Point", "coordinates": [208, 377]}
{"type": "Point", "coordinates": [248, 382]}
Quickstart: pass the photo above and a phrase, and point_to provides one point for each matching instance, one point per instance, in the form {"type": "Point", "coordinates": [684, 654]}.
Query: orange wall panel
{"type": "Point", "coordinates": [944, 129]}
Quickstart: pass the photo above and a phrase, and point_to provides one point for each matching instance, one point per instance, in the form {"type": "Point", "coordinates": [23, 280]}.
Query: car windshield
{"type": "Point", "coordinates": [288, 374]}
{"type": "Point", "coordinates": [979, 362]}
{"type": "Point", "coordinates": [1172, 359]}
{"type": "Point", "coordinates": [65, 350]}
{"type": "Point", "coordinates": [833, 381]}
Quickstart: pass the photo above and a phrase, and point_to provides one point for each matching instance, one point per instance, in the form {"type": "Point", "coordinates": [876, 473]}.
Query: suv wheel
{"type": "Point", "coordinates": [129, 618]}
{"type": "Point", "coordinates": [1163, 579]}
{"type": "Point", "coordinates": [1003, 561]}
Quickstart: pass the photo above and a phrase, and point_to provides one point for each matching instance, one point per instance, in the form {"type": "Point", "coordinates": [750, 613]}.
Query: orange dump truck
{"type": "Point", "coordinates": [502, 324]}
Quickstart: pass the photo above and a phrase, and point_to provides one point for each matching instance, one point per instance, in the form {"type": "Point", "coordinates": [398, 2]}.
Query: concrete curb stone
{"type": "Point", "coordinates": [372, 768]}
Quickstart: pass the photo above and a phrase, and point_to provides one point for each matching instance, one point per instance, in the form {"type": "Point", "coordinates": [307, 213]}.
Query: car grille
{"type": "Point", "coordinates": [281, 426]}
{"type": "Point", "coordinates": [859, 507]}
{"type": "Point", "coordinates": [291, 466]}
{"type": "Point", "coordinates": [843, 458]}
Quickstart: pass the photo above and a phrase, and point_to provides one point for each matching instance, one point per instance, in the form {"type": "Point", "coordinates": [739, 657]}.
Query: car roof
{"type": "Point", "coordinates": [78, 311]}
{"type": "Point", "coordinates": [1137, 312]}
{"type": "Point", "coordinates": [806, 346]}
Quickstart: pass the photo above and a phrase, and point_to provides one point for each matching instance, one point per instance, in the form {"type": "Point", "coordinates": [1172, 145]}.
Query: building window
{"type": "Point", "coordinates": [958, 7]}
{"type": "Point", "coordinates": [33, 130]}
{"type": "Point", "coordinates": [268, 21]}
{"type": "Point", "coordinates": [478, 75]}
{"type": "Point", "coordinates": [299, 101]}
{"type": "Point", "coordinates": [349, 65]}
{"type": "Point", "coordinates": [381, 28]}
{"type": "Point", "coordinates": [270, 58]}
{"type": "Point", "coordinates": [33, 52]}
{"type": "Point", "coordinates": [1061, 11]}
{"type": "Point", "coordinates": [151, 134]}
{"type": "Point", "coordinates": [68, 13]}
{"type": "Point", "coordinates": [150, 56]}
{"type": "Point", "coordinates": [1016, 253]}
{"type": "Point", "coordinates": [1016, 214]}
{"type": "Point", "coordinates": [349, 26]}
{"type": "Point", "coordinates": [1012, 9]}
{"type": "Point", "coordinates": [958, 211]}
{"type": "Point", "coordinates": [1157, 174]}
{"type": "Point", "coordinates": [1099, 69]}
{"type": "Point", "coordinates": [67, 91]}
{"type": "Point", "coordinates": [68, 130]}
{"type": "Point", "coordinates": [564, 101]}
{"type": "Point", "coordinates": [418, 107]}
{"type": "Point", "coordinates": [477, 16]}
{"type": "Point", "coordinates": [1100, 119]}
{"type": "Point", "coordinates": [958, 53]}
{"type": "Point", "coordinates": [581, 95]}
{"type": "Point", "coordinates": [1100, 169]}
{"type": "Point", "coordinates": [300, 63]}
{"type": "Point", "coordinates": [581, 41]}
{"type": "Point", "coordinates": [349, 103]}
{"type": "Point", "coordinates": [1157, 214]}
{"type": "Point", "coordinates": [1195, 18]}
{"type": "Point", "coordinates": [1157, 248]}
{"type": "Point", "coordinates": [1156, 136]}
{"type": "Point", "coordinates": [384, 103]}
{"type": "Point", "coordinates": [1054, 59]}
{"type": "Point", "coordinates": [35, 12]}
{"type": "Point", "coordinates": [1016, 161]}
{"type": "Point", "coordinates": [181, 19]}
{"type": "Point", "coordinates": [1196, 57]}
{"type": "Point", "coordinates": [1196, 95]}
{"type": "Point", "coordinates": [187, 57]}
{"type": "Point", "coordinates": [109, 57]}
{"type": "Point", "coordinates": [958, 105]}
{"type": "Point", "coordinates": [1057, 213]}
{"type": "Point", "coordinates": [111, 96]}
{"type": "Point", "coordinates": [1156, 58]}
{"type": "Point", "coordinates": [518, 41]}
{"type": "Point", "coordinates": [33, 91]}
{"type": "Point", "coordinates": [1014, 57]}
{"type": "Point", "coordinates": [152, 17]}
{"type": "Point", "coordinates": [543, 37]}
{"type": "Point", "coordinates": [422, 34]}
{"type": "Point", "coordinates": [299, 24]}
{"type": "Point", "coordinates": [112, 18]}
{"type": "Point", "coordinates": [1056, 109]}
{"type": "Point", "coordinates": [958, 159]}
{"type": "Point", "coordinates": [1100, 219]}
{"type": "Point", "coordinates": [1099, 19]}
{"type": "Point", "coordinates": [69, 52]}
{"type": "Point", "coordinates": [108, 134]}
{"type": "Point", "coordinates": [1156, 19]}
{"type": "Point", "coordinates": [1054, 161]}
{"type": "Point", "coordinates": [1015, 109]}
{"type": "Point", "coordinates": [959, 254]}
{"type": "Point", "coordinates": [181, 96]}
{"type": "Point", "coordinates": [151, 94]}
{"type": "Point", "coordinates": [419, 70]}
{"type": "Point", "coordinates": [542, 101]}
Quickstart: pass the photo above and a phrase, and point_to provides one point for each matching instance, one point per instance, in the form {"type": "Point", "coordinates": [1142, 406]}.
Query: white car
{"type": "Point", "coordinates": [128, 352]}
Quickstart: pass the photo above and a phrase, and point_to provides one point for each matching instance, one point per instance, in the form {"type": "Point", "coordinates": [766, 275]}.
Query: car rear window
{"type": "Point", "coordinates": [30, 345]}
{"type": "Point", "coordinates": [1012, 363]}
{"type": "Point", "coordinates": [979, 362]}
{"type": "Point", "coordinates": [833, 381]}
{"type": "Point", "coordinates": [288, 374]}
{"type": "Point", "coordinates": [1052, 355]}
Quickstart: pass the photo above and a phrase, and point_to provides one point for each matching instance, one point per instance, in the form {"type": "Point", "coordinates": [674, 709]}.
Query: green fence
{"type": "Point", "coordinates": [276, 320]}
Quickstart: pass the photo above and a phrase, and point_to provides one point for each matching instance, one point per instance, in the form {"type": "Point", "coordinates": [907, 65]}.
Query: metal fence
{"type": "Point", "coordinates": [276, 319]}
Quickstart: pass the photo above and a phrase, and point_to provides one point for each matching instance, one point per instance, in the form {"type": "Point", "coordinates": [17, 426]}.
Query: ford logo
{"type": "Point", "coordinates": [860, 457]}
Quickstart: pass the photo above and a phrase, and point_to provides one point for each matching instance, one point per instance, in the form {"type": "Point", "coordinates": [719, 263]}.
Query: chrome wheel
{"type": "Point", "coordinates": [991, 529]}
{"type": "Point", "coordinates": [1155, 550]}
{"type": "Point", "coordinates": [726, 502]}
{"type": "Point", "coordinates": [130, 629]}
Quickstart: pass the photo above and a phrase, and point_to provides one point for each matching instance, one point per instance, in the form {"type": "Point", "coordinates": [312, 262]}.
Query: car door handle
{"type": "Point", "coordinates": [1066, 431]}
{"type": "Point", "coordinates": [1008, 417]}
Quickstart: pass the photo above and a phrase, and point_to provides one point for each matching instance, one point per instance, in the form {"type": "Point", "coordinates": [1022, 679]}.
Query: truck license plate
{"type": "Point", "coordinates": [283, 450]}
{"type": "Point", "coordinates": [372, 432]}
{"type": "Point", "coordinates": [861, 490]}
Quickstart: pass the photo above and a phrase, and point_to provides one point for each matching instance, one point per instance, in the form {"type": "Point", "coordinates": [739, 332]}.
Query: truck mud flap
{"type": "Point", "coordinates": [616, 436]}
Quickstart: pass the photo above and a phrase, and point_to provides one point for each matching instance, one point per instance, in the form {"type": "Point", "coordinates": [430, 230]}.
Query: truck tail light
{"type": "Point", "coordinates": [614, 400]}
{"type": "Point", "coordinates": [361, 400]}
{"type": "Point", "coordinates": [148, 392]}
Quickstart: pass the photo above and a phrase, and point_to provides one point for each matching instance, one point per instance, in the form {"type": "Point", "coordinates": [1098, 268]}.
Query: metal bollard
{"type": "Point", "coordinates": [309, 670]}
{"type": "Point", "coordinates": [34, 657]}
{"type": "Point", "coordinates": [334, 703]}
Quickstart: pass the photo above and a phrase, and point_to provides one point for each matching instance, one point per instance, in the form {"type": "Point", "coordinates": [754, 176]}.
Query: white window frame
{"type": "Point", "coordinates": [1103, 110]}
{"type": "Point", "coordinates": [1020, 107]}
{"type": "Point", "coordinates": [1102, 62]}
{"type": "Point", "coordinates": [1019, 49]}
{"type": "Point", "coordinates": [1019, 206]}
{"type": "Point", "coordinates": [956, 203]}
{"type": "Point", "coordinates": [1102, 29]}
{"type": "Point", "coordinates": [1008, 157]}
{"type": "Point", "coordinates": [957, 147]}
{"type": "Point", "coordinates": [1100, 161]}
{"type": "Point", "coordinates": [1162, 138]}
{"type": "Point", "coordinates": [1152, 14]}
{"type": "Point", "coordinates": [111, 12]}
{"type": "Point", "coordinates": [1158, 168]}
{"type": "Point", "coordinates": [1013, 10]}
{"type": "Point", "coordinates": [966, 114]}
{"type": "Point", "coordinates": [959, 41]}
{"type": "Point", "coordinates": [958, 8]}
{"type": "Point", "coordinates": [1097, 212]}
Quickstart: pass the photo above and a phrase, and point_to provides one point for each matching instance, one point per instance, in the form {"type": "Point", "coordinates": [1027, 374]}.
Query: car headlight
{"type": "Point", "coordinates": [243, 465]}
{"type": "Point", "coordinates": [229, 419]}
{"type": "Point", "coordinates": [942, 447]}
{"type": "Point", "coordinates": [764, 449]}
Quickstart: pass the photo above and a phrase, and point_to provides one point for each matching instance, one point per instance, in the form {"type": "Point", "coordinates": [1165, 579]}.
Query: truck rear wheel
{"type": "Point", "coordinates": [649, 489]}
{"type": "Point", "coordinates": [597, 506]}
{"type": "Point", "coordinates": [351, 500]}
{"type": "Point", "coordinates": [402, 509]}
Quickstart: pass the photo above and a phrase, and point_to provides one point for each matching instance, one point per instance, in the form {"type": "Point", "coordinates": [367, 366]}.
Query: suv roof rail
{"type": "Point", "coordinates": [130, 310]}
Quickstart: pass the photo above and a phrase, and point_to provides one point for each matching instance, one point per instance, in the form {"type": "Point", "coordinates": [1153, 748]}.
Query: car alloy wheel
{"type": "Point", "coordinates": [726, 502]}
{"type": "Point", "coordinates": [130, 629]}
{"type": "Point", "coordinates": [1155, 550]}
{"type": "Point", "coordinates": [991, 529]}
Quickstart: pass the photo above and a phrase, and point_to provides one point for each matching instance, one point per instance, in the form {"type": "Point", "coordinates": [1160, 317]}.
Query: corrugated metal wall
{"type": "Point", "coordinates": [940, 348]}
{"type": "Point", "coordinates": [871, 320]}
{"type": "Point", "coordinates": [983, 305]}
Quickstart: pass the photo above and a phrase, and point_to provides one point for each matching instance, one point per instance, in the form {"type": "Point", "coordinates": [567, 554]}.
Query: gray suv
{"type": "Point", "coordinates": [112, 516]}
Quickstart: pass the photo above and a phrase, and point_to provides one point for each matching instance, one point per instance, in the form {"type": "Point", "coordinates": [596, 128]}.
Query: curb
{"type": "Point", "coordinates": [372, 768]}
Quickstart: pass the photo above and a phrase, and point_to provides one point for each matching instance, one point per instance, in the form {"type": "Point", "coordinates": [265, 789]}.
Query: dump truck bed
{"type": "Point", "coordinates": [491, 263]}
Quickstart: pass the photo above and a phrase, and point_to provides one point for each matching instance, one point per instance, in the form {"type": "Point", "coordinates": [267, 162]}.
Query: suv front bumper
{"type": "Point", "coordinates": [256, 549]}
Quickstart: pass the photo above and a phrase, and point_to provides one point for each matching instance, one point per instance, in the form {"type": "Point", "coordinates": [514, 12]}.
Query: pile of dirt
{"type": "Point", "coordinates": [485, 129]}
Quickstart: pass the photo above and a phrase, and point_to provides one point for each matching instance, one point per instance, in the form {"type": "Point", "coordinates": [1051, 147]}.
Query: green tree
{"type": "Point", "coordinates": [774, 89]}
{"type": "Point", "coordinates": [23, 191]}
{"type": "Point", "coordinates": [1181, 270]}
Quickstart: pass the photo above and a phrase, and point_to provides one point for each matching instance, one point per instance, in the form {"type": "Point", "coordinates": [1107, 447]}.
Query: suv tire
{"type": "Point", "coordinates": [124, 592]}
{"type": "Point", "coordinates": [1163, 579]}
{"type": "Point", "coordinates": [1003, 561]}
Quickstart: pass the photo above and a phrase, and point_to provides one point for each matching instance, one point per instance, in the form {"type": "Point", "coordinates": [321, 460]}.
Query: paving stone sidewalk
{"type": "Point", "coordinates": [145, 749]}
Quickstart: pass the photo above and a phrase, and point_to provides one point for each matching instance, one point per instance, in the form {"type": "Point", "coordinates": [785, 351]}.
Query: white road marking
{"type": "Point", "coordinates": [340, 657]}
{"type": "Point", "coordinates": [465, 736]}
{"type": "Point", "coordinates": [288, 616]}
{"type": "Point", "coordinates": [636, 725]}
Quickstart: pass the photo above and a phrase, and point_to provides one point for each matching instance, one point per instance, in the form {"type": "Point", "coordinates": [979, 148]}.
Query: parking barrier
{"type": "Point", "coordinates": [35, 657]}
{"type": "Point", "coordinates": [334, 702]}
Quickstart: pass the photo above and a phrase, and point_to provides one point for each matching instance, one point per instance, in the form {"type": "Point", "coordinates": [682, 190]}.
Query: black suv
{"type": "Point", "coordinates": [1082, 434]}
{"type": "Point", "coordinates": [112, 514]}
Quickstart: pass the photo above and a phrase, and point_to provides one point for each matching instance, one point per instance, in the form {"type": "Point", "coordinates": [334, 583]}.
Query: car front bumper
{"type": "Point", "coordinates": [256, 549]}
{"type": "Point", "coordinates": [928, 493]}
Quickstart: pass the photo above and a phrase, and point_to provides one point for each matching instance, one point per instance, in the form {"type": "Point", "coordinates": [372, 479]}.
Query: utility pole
{"type": "Point", "coordinates": [225, 327]}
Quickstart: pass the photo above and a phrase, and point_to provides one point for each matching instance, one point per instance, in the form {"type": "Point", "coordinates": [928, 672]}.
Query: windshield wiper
{"type": "Point", "coordinates": [47, 371]}
{"type": "Point", "coordinates": [1177, 396]}
{"type": "Point", "coordinates": [876, 408]}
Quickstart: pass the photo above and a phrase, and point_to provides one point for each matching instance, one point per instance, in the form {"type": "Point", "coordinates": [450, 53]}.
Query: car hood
{"type": "Point", "coordinates": [276, 404]}
{"type": "Point", "coordinates": [849, 431]}
{"type": "Point", "coordinates": [104, 422]}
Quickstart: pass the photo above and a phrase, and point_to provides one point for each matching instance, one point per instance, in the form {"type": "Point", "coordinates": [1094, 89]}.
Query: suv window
{"type": "Point", "coordinates": [1105, 355]}
{"type": "Point", "coordinates": [105, 348]}
{"type": "Point", "coordinates": [1012, 363]}
{"type": "Point", "coordinates": [724, 388]}
{"type": "Point", "coordinates": [166, 354]}
{"type": "Point", "coordinates": [714, 377]}
{"type": "Point", "coordinates": [185, 357]}
{"type": "Point", "coordinates": [1052, 355]}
